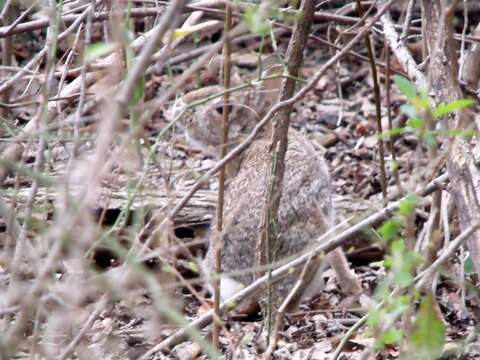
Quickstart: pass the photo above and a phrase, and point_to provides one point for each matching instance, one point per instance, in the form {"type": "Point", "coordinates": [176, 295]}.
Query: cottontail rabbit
{"type": "Point", "coordinates": [305, 210]}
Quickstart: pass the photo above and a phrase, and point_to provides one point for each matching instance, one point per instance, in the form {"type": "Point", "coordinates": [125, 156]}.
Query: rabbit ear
{"type": "Point", "coordinates": [272, 68]}
{"type": "Point", "coordinates": [270, 88]}
{"type": "Point", "coordinates": [235, 80]}
{"type": "Point", "coordinates": [274, 83]}
{"type": "Point", "coordinates": [201, 93]}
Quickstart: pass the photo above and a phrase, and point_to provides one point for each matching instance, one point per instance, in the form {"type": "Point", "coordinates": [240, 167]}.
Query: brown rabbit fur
{"type": "Point", "coordinates": [305, 211]}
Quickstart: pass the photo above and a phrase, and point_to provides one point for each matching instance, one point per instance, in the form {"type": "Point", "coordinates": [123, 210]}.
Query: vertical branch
{"type": "Point", "coordinates": [434, 237]}
{"type": "Point", "coordinates": [378, 110]}
{"type": "Point", "coordinates": [20, 252]}
{"type": "Point", "coordinates": [227, 65]}
{"type": "Point", "coordinates": [83, 77]}
{"type": "Point", "coordinates": [407, 22]}
{"type": "Point", "coordinates": [464, 33]}
{"type": "Point", "coordinates": [41, 125]}
{"type": "Point", "coordinates": [14, 151]}
{"type": "Point", "coordinates": [391, 139]}
{"type": "Point", "coordinates": [267, 242]}
{"type": "Point", "coordinates": [7, 13]}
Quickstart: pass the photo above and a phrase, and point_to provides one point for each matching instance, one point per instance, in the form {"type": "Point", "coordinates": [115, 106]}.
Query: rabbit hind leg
{"type": "Point", "coordinates": [346, 278]}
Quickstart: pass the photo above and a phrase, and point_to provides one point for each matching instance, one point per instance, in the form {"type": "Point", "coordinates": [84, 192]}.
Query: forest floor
{"type": "Point", "coordinates": [339, 118]}
{"type": "Point", "coordinates": [344, 132]}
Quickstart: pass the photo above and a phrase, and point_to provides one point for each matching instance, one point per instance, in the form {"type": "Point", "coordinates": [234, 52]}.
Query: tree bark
{"type": "Point", "coordinates": [266, 245]}
{"type": "Point", "coordinates": [462, 165]}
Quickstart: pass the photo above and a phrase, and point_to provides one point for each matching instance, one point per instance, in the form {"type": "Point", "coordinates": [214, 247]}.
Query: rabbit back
{"type": "Point", "coordinates": [305, 210]}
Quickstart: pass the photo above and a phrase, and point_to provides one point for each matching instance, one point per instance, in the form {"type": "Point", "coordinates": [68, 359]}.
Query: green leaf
{"type": "Point", "coordinates": [468, 133]}
{"type": "Point", "coordinates": [422, 101]}
{"type": "Point", "coordinates": [407, 206]}
{"type": "Point", "coordinates": [409, 110]}
{"type": "Point", "coordinates": [394, 132]}
{"type": "Point", "coordinates": [193, 266]}
{"type": "Point", "coordinates": [390, 230]}
{"type": "Point", "coordinates": [393, 165]}
{"type": "Point", "coordinates": [278, 15]}
{"type": "Point", "coordinates": [406, 87]}
{"type": "Point", "coordinates": [97, 50]}
{"type": "Point", "coordinates": [402, 263]}
{"type": "Point", "coordinates": [428, 335]}
{"type": "Point", "coordinates": [391, 336]}
{"type": "Point", "coordinates": [468, 265]}
{"type": "Point", "coordinates": [168, 268]}
{"type": "Point", "coordinates": [139, 89]}
{"type": "Point", "coordinates": [388, 262]}
{"type": "Point", "coordinates": [186, 31]}
{"type": "Point", "coordinates": [402, 277]}
{"type": "Point", "coordinates": [416, 123]}
{"type": "Point", "coordinates": [231, 305]}
{"type": "Point", "coordinates": [248, 338]}
{"type": "Point", "coordinates": [138, 92]}
{"type": "Point", "coordinates": [430, 138]}
{"type": "Point", "coordinates": [445, 109]}
{"type": "Point", "coordinates": [256, 21]}
{"type": "Point", "coordinates": [375, 317]}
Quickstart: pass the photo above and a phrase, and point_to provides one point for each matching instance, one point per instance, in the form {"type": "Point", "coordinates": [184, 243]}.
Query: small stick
{"type": "Point", "coordinates": [6, 17]}
{"type": "Point", "coordinates": [283, 308]}
{"type": "Point", "coordinates": [378, 110]}
{"type": "Point", "coordinates": [407, 22]}
{"type": "Point", "coordinates": [266, 245]}
{"type": "Point", "coordinates": [227, 66]}
{"type": "Point", "coordinates": [391, 139]}
{"type": "Point", "coordinates": [102, 303]}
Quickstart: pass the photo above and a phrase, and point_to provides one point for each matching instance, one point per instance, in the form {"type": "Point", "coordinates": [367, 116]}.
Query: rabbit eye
{"type": "Point", "coordinates": [219, 109]}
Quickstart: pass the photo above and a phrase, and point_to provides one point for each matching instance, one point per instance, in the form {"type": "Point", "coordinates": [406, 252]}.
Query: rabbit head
{"type": "Point", "coordinates": [247, 106]}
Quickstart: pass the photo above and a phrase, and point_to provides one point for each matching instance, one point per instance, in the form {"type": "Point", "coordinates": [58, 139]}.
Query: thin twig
{"type": "Point", "coordinates": [407, 22]}
{"type": "Point", "coordinates": [41, 54]}
{"type": "Point", "coordinates": [268, 245]}
{"type": "Point", "coordinates": [217, 244]}
{"type": "Point", "coordinates": [403, 54]}
{"type": "Point", "coordinates": [100, 306]}
{"type": "Point", "coordinates": [5, 10]}
{"type": "Point", "coordinates": [6, 17]}
{"type": "Point", "coordinates": [391, 139]}
{"type": "Point", "coordinates": [378, 110]}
